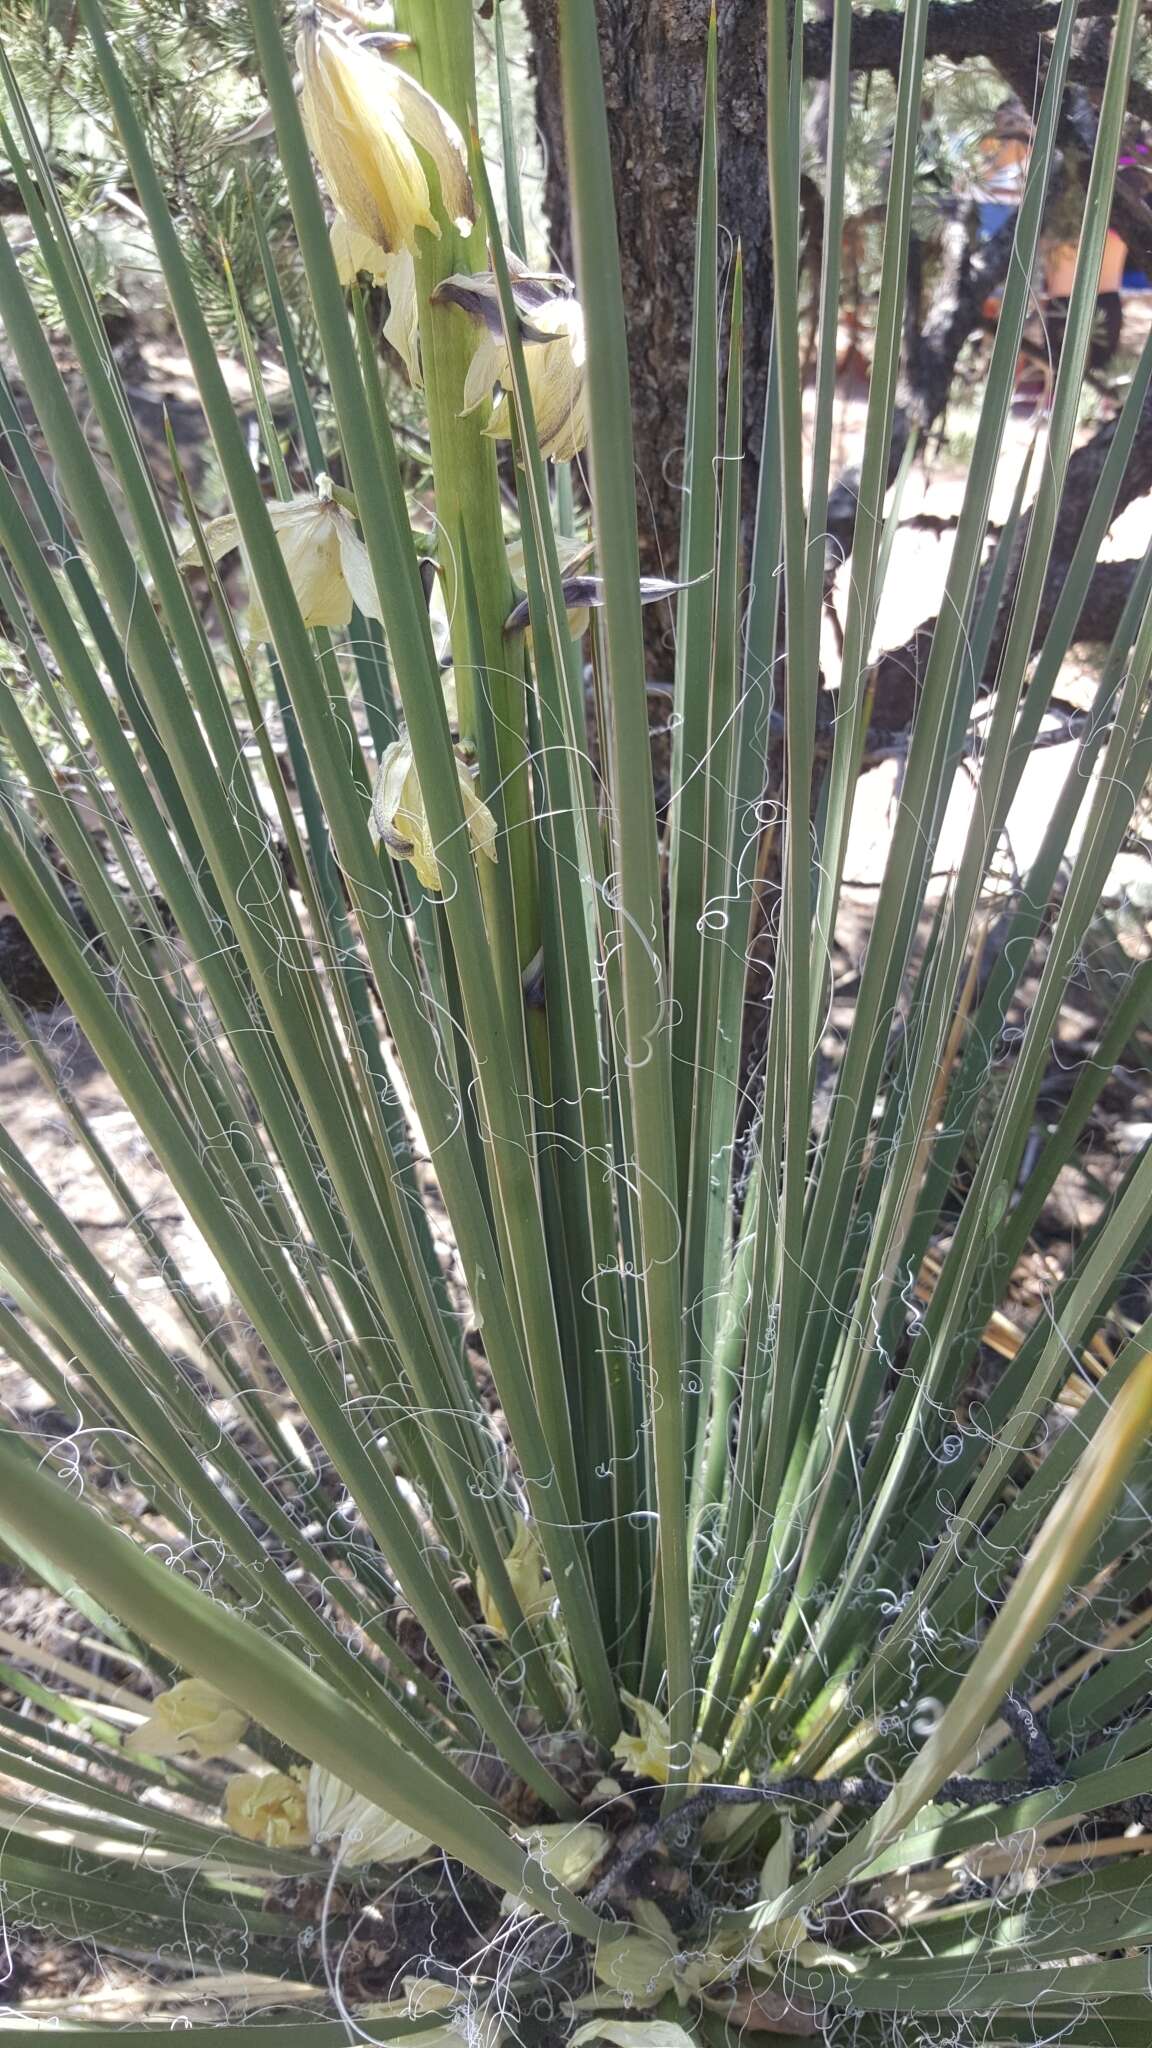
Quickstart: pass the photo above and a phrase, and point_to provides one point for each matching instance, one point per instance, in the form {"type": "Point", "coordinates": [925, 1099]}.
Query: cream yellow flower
{"type": "Point", "coordinates": [422, 1995]}
{"type": "Point", "coordinates": [475, 2026]}
{"type": "Point", "coordinates": [552, 331]}
{"type": "Point", "coordinates": [355, 1830]}
{"type": "Point", "coordinates": [567, 1851]}
{"type": "Point", "coordinates": [192, 1719]}
{"type": "Point", "coordinates": [370, 127]}
{"type": "Point", "coordinates": [270, 1807]}
{"type": "Point", "coordinates": [401, 822]}
{"type": "Point", "coordinates": [357, 255]}
{"type": "Point", "coordinates": [524, 1565]}
{"type": "Point", "coordinates": [633, 2034]}
{"type": "Point", "coordinates": [649, 1754]}
{"type": "Point", "coordinates": [639, 1965]}
{"type": "Point", "coordinates": [555, 372]}
{"type": "Point", "coordinates": [326, 560]}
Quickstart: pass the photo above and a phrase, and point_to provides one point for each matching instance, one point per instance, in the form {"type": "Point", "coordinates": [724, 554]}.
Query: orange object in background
{"type": "Point", "coordinates": [1060, 266]}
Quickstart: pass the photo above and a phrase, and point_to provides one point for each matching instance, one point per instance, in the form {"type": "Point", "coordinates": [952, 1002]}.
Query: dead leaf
{"type": "Point", "coordinates": [771, 2012]}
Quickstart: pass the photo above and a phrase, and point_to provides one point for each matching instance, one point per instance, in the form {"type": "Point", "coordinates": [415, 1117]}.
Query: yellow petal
{"type": "Point", "coordinates": [411, 823]}
{"type": "Point", "coordinates": [421, 1995]}
{"type": "Point", "coordinates": [568, 1852]}
{"type": "Point", "coordinates": [221, 536]}
{"type": "Point", "coordinates": [388, 791]}
{"type": "Point", "coordinates": [399, 818]}
{"type": "Point", "coordinates": [353, 104]}
{"type": "Point", "coordinates": [524, 1563]}
{"type": "Point", "coordinates": [478, 818]}
{"type": "Point", "coordinates": [487, 368]}
{"type": "Point", "coordinates": [427, 124]}
{"type": "Point", "coordinates": [649, 1754]}
{"type": "Point", "coordinates": [402, 327]}
{"type": "Point", "coordinates": [191, 1719]}
{"type": "Point", "coordinates": [633, 2034]}
{"type": "Point", "coordinates": [310, 545]}
{"type": "Point", "coordinates": [356, 1830]}
{"type": "Point", "coordinates": [269, 1807]}
{"type": "Point", "coordinates": [555, 373]}
{"type": "Point", "coordinates": [356, 569]}
{"type": "Point", "coordinates": [639, 1967]}
{"type": "Point", "coordinates": [355, 254]}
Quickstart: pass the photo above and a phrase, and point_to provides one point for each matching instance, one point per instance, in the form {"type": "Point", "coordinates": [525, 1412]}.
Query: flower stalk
{"type": "Point", "coordinates": [464, 460]}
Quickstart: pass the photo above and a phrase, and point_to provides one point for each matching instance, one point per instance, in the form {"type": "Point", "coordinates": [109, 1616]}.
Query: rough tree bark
{"type": "Point", "coordinates": [654, 54]}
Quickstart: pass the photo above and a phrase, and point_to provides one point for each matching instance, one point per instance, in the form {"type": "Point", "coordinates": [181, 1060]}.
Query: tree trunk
{"type": "Point", "coordinates": [653, 53]}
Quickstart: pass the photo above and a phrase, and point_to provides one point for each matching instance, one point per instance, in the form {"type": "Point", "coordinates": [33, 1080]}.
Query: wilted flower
{"type": "Point", "coordinates": [355, 255]}
{"type": "Point", "coordinates": [552, 331]}
{"type": "Point", "coordinates": [268, 1807]}
{"type": "Point", "coordinates": [326, 560]}
{"type": "Point", "coordinates": [193, 1719]}
{"type": "Point", "coordinates": [348, 1823]}
{"type": "Point", "coordinates": [524, 1565]}
{"type": "Point", "coordinates": [367, 123]}
{"type": "Point", "coordinates": [649, 1754]}
{"type": "Point", "coordinates": [580, 593]}
{"type": "Point", "coordinates": [401, 822]}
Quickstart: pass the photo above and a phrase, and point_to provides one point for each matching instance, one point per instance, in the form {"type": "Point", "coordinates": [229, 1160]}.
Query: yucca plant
{"type": "Point", "coordinates": [582, 1592]}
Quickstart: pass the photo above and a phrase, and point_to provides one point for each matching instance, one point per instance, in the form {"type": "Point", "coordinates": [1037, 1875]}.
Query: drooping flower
{"type": "Point", "coordinates": [326, 560]}
{"type": "Point", "coordinates": [269, 1807]}
{"type": "Point", "coordinates": [353, 1828]}
{"type": "Point", "coordinates": [524, 1565]}
{"type": "Point", "coordinates": [400, 821]}
{"type": "Point", "coordinates": [552, 332]}
{"type": "Point", "coordinates": [649, 1754]}
{"type": "Point", "coordinates": [357, 255]}
{"type": "Point", "coordinates": [191, 1719]}
{"type": "Point", "coordinates": [370, 128]}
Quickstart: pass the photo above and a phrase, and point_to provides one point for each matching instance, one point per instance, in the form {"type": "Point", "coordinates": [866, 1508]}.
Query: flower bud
{"type": "Point", "coordinates": [567, 1851]}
